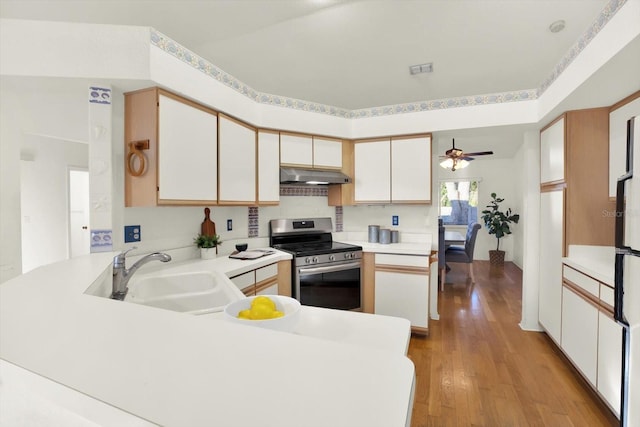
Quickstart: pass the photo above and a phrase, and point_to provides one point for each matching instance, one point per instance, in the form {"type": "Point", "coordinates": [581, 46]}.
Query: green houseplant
{"type": "Point", "coordinates": [208, 245]}
{"type": "Point", "coordinates": [497, 223]}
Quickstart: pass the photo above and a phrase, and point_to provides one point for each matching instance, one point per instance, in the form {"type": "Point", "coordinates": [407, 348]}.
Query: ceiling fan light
{"type": "Point", "coordinates": [447, 163]}
{"type": "Point", "coordinates": [454, 164]}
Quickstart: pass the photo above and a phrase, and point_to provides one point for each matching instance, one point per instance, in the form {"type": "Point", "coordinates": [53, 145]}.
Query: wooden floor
{"type": "Point", "coordinates": [478, 368]}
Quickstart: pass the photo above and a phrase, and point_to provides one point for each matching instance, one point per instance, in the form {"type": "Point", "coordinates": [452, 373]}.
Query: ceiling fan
{"type": "Point", "coordinates": [454, 158]}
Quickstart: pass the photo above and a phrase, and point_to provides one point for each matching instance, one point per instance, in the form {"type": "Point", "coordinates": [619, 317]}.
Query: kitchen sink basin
{"type": "Point", "coordinates": [188, 292]}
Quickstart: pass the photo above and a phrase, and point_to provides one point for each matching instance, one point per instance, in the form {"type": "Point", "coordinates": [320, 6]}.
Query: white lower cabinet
{"type": "Point", "coordinates": [609, 360]}
{"type": "Point", "coordinates": [591, 339]}
{"type": "Point", "coordinates": [402, 288]}
{"type": "Point", "coordinates": [580, 333]}
{"type": "Point", "coordinates": [261, 281]}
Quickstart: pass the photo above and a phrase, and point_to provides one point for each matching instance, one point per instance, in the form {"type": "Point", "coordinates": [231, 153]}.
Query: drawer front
{"type": "Point", "coordinates": [266, 272]}
{"type": "Point", "coordinates": [403, 260]}
{"type": "Point", "coordinates": [244, 280]}
{"type": "Point", "coordinates": [585, 282]}
{"type": "Point", "coordinates": [606, 294]}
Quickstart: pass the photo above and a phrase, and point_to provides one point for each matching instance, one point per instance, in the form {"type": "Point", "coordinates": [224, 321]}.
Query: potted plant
{"type": "Point", "coordinates": [208, 245]}
{"type": "Point", "coordinates": [497, 223]}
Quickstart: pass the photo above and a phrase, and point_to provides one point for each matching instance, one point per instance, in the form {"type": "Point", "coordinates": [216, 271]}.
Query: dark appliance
{"type": "Point", "coordinates": [627, 277]}
{"type": "Point", "coordinates": [324, 273]}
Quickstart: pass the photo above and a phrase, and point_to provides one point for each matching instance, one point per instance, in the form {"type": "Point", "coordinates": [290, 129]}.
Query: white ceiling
{"type": "Point", "coordinates": [356, 54]}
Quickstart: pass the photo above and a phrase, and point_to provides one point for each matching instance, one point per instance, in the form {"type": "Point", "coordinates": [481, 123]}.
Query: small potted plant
{"type": "Point", "coordinates": [208, 245]}
{"type": "Point", "coordinates": [497, 223]}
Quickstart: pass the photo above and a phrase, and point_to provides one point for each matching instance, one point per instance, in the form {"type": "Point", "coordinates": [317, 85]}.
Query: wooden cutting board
{"type": "Point", "coordinates": [208, 227]}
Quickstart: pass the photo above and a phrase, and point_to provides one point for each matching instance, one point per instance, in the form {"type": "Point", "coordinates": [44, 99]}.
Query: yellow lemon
{"type": "Point", "coordinates": [261, 312]}
{"type": "Point", "coordinates": [244, 314]}
{"type": "Point", "coordinates": [277, 314]}
{"type": "Point", "coordinates": [263, 300]}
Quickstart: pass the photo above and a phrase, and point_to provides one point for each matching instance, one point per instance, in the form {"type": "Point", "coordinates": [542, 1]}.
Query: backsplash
{"type": "Point", "coordinates": [304, 190]}
{"type": "Point", "coordinates": [171, 227]}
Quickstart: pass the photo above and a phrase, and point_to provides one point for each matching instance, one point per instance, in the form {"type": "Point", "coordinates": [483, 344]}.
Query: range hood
{"type": "Point", "coordinates": [312, 176]}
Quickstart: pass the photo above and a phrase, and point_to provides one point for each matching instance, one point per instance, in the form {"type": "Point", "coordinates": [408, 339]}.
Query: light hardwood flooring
{"type": "Point", "coordinates": [478, 368]}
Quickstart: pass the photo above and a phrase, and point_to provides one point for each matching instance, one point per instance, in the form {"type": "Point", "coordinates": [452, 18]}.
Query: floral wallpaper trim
{"type": "Point", "coordinates": [605, 16]}
{"type": "Point", "coordinates": [173, 48]}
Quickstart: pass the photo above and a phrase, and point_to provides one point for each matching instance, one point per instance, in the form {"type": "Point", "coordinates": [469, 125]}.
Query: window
{"type": "Point", "coordinates": [459, 202]}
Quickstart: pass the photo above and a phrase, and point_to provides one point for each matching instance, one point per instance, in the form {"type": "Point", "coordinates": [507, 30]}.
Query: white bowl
{"type": "Point", "coordinates": [287, 323]}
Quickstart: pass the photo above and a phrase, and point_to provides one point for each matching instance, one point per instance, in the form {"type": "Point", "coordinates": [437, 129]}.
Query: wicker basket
{"type": "Point", "coordinates": [496, 262]}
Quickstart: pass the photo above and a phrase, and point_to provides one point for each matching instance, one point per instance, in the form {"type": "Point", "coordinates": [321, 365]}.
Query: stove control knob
{"type": "Point", "coordinates": [307, 260]}
{"type": "Point", "coordinates": [332, 258]}
{"type": "Point", "coordinates": [347, 255]}
{"type": "Point", "coordinates": [315, 260]}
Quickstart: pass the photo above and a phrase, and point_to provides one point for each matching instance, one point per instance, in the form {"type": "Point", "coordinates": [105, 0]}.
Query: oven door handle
{"type": "Point", "coordinates": [328, 269]}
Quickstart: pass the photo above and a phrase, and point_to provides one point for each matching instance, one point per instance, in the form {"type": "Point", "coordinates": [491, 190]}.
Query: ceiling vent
{"type": "Point", "coordinates": [421, 68]}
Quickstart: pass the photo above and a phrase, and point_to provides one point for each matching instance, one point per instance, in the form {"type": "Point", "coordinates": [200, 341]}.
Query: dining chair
{"type": "Point", "coordinates": [464, 254]}
{"type": "Point", "coordinates": [442, 265]}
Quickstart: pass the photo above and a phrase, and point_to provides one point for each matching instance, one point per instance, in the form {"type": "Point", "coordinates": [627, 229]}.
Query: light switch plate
{"type": "Point", "coordinates": [395, 220]}
{"type": "Point", "coordinates": [229, 225]}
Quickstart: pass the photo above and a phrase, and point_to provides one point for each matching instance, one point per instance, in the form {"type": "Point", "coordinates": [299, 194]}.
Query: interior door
{"type": "Point", "coordinates": [78, 213]}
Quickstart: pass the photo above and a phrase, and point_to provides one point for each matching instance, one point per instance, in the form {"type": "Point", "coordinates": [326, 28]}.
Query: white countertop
{"type": "Point", "coordinates": [410, 243]}
{"type": "Point", "coordinates": [175, 369]}
{"type": "Point", "coordinates": [594, 261]}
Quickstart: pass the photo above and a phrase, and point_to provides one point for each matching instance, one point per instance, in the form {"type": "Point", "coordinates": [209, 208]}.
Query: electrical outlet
{"type": "Point", "coordinates": [229, 225]}
{"type": "Point", "coordinates": [395, 220]}
{"type": "Point", "coordinates": [131, 233]}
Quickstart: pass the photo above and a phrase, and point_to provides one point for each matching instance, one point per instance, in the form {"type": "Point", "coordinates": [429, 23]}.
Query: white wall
{"type": "Point", "coordinates": [44, 197]}
{"type": "Point", "coordinates": [53, 108]}
{"type": "Point", "coordinates": [530, 229]}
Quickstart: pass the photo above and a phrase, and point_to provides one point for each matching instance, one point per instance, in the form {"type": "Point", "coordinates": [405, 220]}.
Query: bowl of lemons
{"type": "Point", "coordinates": [267, 311]}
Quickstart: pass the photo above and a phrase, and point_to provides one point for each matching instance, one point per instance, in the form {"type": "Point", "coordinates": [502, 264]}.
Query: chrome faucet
{"type": "Point", "coordinates": [121, 274]}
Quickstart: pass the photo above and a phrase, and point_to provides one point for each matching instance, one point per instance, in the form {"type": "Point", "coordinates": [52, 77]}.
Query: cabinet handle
{"type": "Point", "coordinates": [135, 152]}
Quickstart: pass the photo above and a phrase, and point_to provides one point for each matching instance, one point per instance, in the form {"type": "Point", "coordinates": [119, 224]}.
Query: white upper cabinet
{"type": "Point", "coordinates": [618, 140]}
{"type": "Point", "coordinates": [268, 167]}
{"type": "Point", "coordinates": [237, 150]}
{"type": "Point", "coordinates": [310, 151]}
{"type": "Point", "coordinates": [552, 152]}
{"type": "Point", "coordinates": [394, 170]}
{"type": "Point", "coordinates": [327, 153]}
{"type": "Point", "coordinates": [187, 152]}
{"type": "Point", "coordinates": [372, 171]}
{"type": "Point", "coordinates": [296, 150]}
{"type": "Point", "coordinates": [411, 170]}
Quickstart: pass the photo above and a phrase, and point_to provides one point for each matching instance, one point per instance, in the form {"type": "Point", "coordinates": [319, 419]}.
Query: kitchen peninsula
{"type": "Point", "coordinates": [172, 369]}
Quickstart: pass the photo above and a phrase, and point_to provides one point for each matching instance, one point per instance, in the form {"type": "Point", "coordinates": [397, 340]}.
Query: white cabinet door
{"type": "Point", "coordinates": [372, 171]}
{"type": "Point", "coordinates": [237, 162]}
{"type": "Point", "coordinates": [296, 150]}
{"type": "Point", "coordinates": [402, 295]}
{"type": "Point", "coordinates": [580, 333]}
{"type": "Point", "coordinates": [618, 141]}
{"type": "Point", "coordinates": [268, 167]}
{"type": "Point", "coordinates": [187, 152]}
{"type": "Point", "coordinates": [399, 293]}
{"type": "Point", "coordinates": [552, 152]}
{"type": "Point", "coordinates": [271, 290]}
{"type": "Point", "coordinates": [327, 153]}
{"type": "Point", "coordinates": [411, 170]}
{"type": "Point", "coordinates": [609, 360]}
{"type": "Point", "coordinates": [551, 241]}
